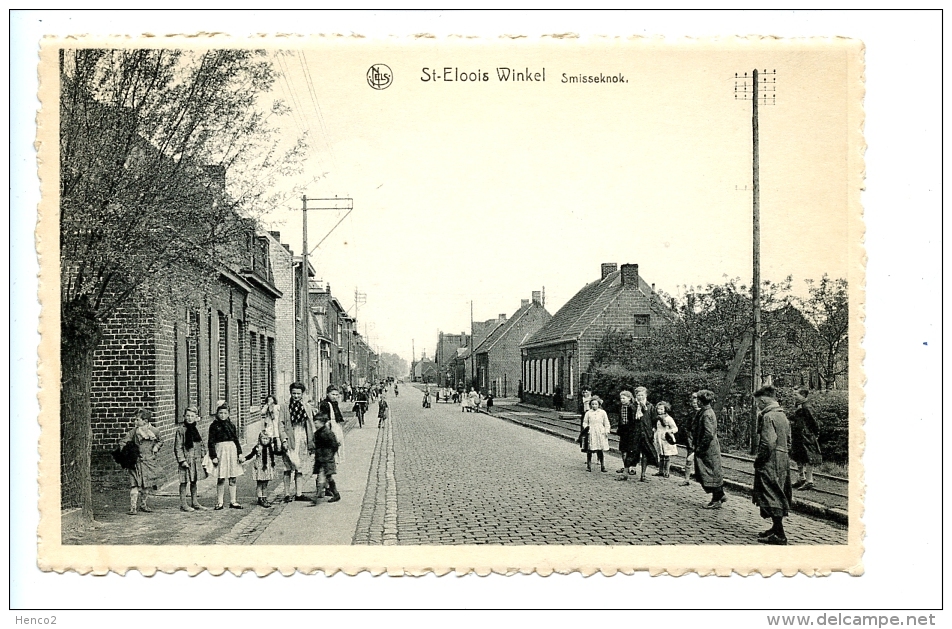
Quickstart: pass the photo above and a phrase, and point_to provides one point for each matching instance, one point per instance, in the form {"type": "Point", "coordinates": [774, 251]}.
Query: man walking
{"type": "Point", "coordinates": [707, 451]}
{"type": "Point", "coordinates": [805, 444]}
{"type": "Point", "coordinates": [772, 491]}
{"type": "Point", "coordinates": [688, 430]}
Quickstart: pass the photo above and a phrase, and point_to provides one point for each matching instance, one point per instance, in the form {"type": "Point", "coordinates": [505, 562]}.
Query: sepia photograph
{"type": "Point", "coordinates": [458, 297]}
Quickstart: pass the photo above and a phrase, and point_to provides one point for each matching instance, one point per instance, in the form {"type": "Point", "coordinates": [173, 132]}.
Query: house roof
{"type": "Point", "coordinates": [578, 313]}
{"type": "Point", "coordinates": [502, 329]}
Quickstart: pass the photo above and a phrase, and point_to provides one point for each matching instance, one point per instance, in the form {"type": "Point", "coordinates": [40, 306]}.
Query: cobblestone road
{"type": "Point", "coordinates": [439, 476]}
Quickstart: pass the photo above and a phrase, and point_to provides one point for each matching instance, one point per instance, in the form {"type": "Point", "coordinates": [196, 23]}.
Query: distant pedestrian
{"type": "Point", "coordinates": [262, 470]}
{"type": "Point", "coordinates": [476, 400]}
{"type": "Point", "coordinates": [326, 447]}
{"type": "Point", "coordinates": [805, 449]}
{"type": "Point", "coordinates": [688, 431]}
{"type": "Point", "coordinates": [224, 449]}
{"type": "Point", "coordinates": [489, 402]}
{"type": "Point", "coordinates": [584, 400]}
{"type": "Point", "coordinates": [772, 491]}
{"type": "Point", "coordinates": [595, 428]}
{"type": "Point", "coordinates": [383, 410]}
{"type": "Point", "coordinates": [707, 453]}
{"type": "Point", "coordinates": [396, 390]}
{"type": "Point", "coordinates": [361, 402]}
{"type": "Point", "coordinates": [664, 439]}
{"type": "Point", "coordinates": [189, 451]}
{"type": "Point", "coordinates": [146, 474]}
{"type": "Point", "coordinates": [557, 401]}
{"type": "Point", "coordinates": [297, 440]}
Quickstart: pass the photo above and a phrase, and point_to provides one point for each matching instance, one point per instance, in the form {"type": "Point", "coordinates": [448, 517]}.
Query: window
{"type": "Point", "coordinates": [222, 357]}
{"type": "Point", "coordinates": [641, 325]}
{"type": "Point", "coordinates": [191, 359]}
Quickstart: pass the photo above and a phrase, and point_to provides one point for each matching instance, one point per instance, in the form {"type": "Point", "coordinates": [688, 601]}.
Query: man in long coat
{"type": "Point", "coordinates": [296, 431]}
{"type": "Point", "coordinates": [772, 491]}
{"type": "Point", "coordinates": [707, 451]}
{"type": "Point", "coordinates": [688, 430]}
{"type": "Point", "coordinates": [805, 444]}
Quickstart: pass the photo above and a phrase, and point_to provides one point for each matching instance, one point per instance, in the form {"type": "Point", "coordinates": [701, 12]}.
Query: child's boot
{"type": "Point", "coordinates": [145, 503]}
{"type": "Point", "coordinates": [133, 502]}
{"type": "Point", "coordinates": [335, 495]}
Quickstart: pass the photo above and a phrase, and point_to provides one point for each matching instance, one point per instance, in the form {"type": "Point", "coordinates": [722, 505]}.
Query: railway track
{"type": "Point", "coordinates": [829, 499]}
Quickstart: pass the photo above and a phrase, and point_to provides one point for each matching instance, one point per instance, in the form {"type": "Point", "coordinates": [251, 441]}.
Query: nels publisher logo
{"type": "Point", "coordinates": [379, 76]}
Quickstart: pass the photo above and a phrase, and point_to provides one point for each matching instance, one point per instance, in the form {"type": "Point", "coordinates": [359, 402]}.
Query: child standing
{"type": "Point", "coordinates": [189, 452]}
{"type": "Point", "coordinates": [225, 450]}
{"type": "Point", "coordinates": [598, 426]}
{"type": "Point", "coordinates": [262, 470]}
{"type": "Point", "coordinates": [145, 475]}
{"type": "Point", "coordinates": [326, 445]}
{"type": "Point", "coordinates": [665, 444]}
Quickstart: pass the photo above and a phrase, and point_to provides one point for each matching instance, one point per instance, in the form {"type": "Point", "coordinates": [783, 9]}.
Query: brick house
{"type": "Point", "coordinates": [559, 353]}
{"type": "Point", "coordinates": [449, 368]}
{"type": "Point", "coordinates": [498, 357]}
{"type": "Point", "coordinates": [165, 358]}
{"type": "Point", "coordinates": [424, 370]}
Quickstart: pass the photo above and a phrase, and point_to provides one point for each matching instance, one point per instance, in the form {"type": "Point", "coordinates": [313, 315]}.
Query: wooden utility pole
{"type": "Point", "coordinates": [768, 96]}
{"type": "Point", "coordinates": [472, 346]}
{"type": "Point", "coordinates": [305, 298]}
{"type": "Point", "coordinates": [332, 205]}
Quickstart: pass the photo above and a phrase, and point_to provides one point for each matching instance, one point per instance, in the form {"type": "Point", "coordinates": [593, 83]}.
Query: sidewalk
{"type": "Point", "coordinates": [169, 525]}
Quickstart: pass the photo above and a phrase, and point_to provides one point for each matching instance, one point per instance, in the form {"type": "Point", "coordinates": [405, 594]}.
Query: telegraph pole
{"type": "Point", "coordinates": [325, 205]}
{"type": "Point", "coordinates": [472, 346]}
{"type": "Point", "coordinates": [761, 88]}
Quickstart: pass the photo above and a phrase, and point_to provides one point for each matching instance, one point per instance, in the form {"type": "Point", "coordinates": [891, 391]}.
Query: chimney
{"type": "Point", "coordinates": [608, 268]}
{"type": "Point", "coordinates": [629, 275]}
{"type": "Point", "coordinates": [525, 302]}
{"type": "Point", "coordinates": [652, 287]}
{"type": "Point", "coordinates": [537, 296]}
{"type": "Point", "coordinates": [277, 235]}
{"type": "Point", "coordinates": [502, 317]}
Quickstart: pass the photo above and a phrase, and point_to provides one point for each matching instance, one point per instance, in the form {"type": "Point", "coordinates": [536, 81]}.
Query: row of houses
{"type": "Point", "coordinates": [256, 331]}
{"type": "Point", "coordinates": [533, 353]}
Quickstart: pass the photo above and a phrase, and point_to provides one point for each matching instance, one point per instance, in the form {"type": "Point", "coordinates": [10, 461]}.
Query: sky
{"type": "Point", "coordinates": [485, 191]}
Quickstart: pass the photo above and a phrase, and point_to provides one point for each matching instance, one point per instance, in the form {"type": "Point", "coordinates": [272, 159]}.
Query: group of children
{"type": "Point", "coordinates": [220, 456]}
{"type": "Point", "coordinates": [646, 434]}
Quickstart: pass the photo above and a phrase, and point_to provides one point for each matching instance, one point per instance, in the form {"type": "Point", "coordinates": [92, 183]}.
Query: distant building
{"type": "Point", "coordinates": [448, 363]}
{"type": "Point", "coordinates": [498, 357]}
{"type": "Point", "coordinates": [559, 353]}
{"type": "Point", "coordinates": [424, 370]}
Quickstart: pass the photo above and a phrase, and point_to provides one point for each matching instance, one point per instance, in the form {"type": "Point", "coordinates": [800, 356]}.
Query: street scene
{"type": "Point", "coordinates": [314, 298]}
{"type": "Point", "coordinates": [486, 492]}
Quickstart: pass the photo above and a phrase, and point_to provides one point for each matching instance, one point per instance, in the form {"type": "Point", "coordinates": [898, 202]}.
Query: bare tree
{"type": "Point", "coordinates": [146, 137]}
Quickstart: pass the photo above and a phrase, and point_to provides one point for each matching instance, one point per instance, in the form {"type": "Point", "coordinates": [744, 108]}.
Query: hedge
{"type": "Point", "coordinates": [830, 407]}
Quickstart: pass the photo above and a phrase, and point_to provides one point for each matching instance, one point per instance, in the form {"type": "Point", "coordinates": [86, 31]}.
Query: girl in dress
{"type": "Point", "coordinates": [598, 426]}
{"type": "Point", "coordinates": [224, 449]}
{"type": "Point", "coordinates": [189, 452]}
{"type": "Point", "coordinates": [145, 476]}
{"type": "Point", "coordinates": [665, 429]}
{"type": "Point", "coordinates": [262, 470]}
